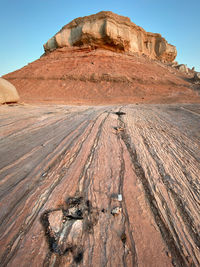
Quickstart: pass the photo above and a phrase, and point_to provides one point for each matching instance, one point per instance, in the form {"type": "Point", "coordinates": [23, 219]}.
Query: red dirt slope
{"type": "Point", "coordinates": [98, 76]}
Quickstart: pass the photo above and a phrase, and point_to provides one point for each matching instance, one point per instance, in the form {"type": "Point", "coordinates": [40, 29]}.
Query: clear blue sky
{"type": "Point", "coordinates": [27, 24]}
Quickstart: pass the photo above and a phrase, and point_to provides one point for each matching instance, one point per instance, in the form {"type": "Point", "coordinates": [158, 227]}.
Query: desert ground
{"type": "Point", "coordinates": [113, 185]}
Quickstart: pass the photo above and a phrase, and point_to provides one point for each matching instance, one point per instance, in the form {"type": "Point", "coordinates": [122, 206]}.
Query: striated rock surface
{"type": "Point", "coordinates": [100, 186]}
{"type": "Point", "coordinates": [111, 31]}
{"type": "Point", "coordinates": [8, 92]}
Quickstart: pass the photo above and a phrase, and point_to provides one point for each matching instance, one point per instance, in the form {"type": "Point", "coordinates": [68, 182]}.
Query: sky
{"type": "Point", "coordinates": [27, 24]}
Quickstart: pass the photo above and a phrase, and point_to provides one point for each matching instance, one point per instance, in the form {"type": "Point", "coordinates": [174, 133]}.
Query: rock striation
{"type": "Point", "coordinates": [111, 31]}
{"type": "Point", "coordinates": [100, 185]}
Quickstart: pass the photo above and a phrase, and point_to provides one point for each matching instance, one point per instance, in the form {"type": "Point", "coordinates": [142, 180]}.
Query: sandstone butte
{"type": "Point", "coordinates": [101, 59]}
{"type": "Point", "coordinates": [111, 31]}
{"type": "Point", "coordinates": [101, 185]}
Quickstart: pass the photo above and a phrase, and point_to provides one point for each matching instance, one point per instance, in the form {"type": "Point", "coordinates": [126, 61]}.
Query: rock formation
{"type": "Point", "coordinates": [8, 92]}
{"type": "Point", "coordinates": [197, 76]}
{"type": "Point", "coordinates": [82, 65]}
{"type": "Point", "coordinates": [111, 31]}
{"type": "Point", "coordinates": [101, 185]}
{"type": "Point", "coordinates": [182, 68]}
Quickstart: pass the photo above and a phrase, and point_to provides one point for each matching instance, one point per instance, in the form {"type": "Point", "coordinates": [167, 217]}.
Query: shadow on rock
{"type": "Point", "coordinates": [66, 226]}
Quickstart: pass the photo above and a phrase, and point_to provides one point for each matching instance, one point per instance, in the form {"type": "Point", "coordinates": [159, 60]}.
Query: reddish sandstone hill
{"type": "Point", "coordinates": [103, 59]}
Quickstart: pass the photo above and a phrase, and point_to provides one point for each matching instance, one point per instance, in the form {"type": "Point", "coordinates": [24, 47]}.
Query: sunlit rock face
{"type": "Point", "coordinates": [8, 92]}
{"type": "Point", "coordinates": [113, 32]}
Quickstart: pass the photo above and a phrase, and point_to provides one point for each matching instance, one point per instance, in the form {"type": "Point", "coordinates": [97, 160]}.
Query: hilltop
{"type": "Point", "coordinates": [101, 59]}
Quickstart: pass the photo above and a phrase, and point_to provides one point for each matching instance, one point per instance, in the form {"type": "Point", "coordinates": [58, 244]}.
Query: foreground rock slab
{"type": "Point", "coordinates": [100, 186]}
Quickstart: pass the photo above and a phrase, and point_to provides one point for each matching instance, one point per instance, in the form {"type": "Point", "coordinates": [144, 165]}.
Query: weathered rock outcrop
{"type": "Point", "coordinates": [8, 92]}
{"type": "Point", "coordinates": [114, 32]}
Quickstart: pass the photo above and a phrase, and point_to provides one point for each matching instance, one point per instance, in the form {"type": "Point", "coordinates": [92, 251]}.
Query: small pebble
{"type": "Point", "coordinates": [116, 211]}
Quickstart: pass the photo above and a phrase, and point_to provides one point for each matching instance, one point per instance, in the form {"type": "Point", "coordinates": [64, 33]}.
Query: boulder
{"type": "Point", "coordinates": [8, 92]}
{"type": "Point", "coordinates": [197, 76]}
{"type": "Point", "coordinates": [111, 31]}
{"type": "Point", "coordinates": [183, 68]}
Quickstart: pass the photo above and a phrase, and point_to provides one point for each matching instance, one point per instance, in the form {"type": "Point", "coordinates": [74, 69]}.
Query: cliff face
{"type": "Point", "coordinates": [111, 31]}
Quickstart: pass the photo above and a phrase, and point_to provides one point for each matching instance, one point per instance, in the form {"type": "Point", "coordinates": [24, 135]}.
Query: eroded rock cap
{"type": "Point", "coordinates": [114, 32]}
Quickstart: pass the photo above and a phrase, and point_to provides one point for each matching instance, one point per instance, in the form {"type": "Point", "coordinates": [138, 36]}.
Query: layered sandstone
{"type": "Point", "coordinates": [111, 31]}
{"type": "Point", "coordinates": [84, 76]}
{"type": "Point", "coordinates": [63, 169]}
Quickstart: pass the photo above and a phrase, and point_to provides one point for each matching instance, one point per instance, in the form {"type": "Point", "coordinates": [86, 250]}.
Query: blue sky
{"type": "Point", "coordinates": [27, 24]}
